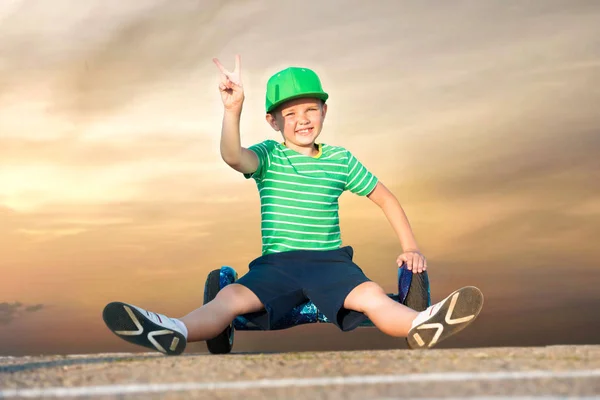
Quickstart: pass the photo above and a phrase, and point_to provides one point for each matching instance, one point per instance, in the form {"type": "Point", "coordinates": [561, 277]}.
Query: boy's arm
{"type": "Point", "coordinates": [395, 214]}
{"type": "Point", "coordinates": [236, 156]}
{"type": "Point", "coordinates": [232, 94]}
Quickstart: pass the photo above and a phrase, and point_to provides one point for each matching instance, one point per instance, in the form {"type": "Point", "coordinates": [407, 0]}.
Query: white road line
{"type": "Point", "coordinates": [499, 398]}
{"type": "Point", "coordinates": [293, 382]}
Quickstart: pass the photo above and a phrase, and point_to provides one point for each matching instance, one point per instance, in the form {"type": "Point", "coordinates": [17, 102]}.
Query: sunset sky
{"type": "Point", "coordinates": [483, 117]}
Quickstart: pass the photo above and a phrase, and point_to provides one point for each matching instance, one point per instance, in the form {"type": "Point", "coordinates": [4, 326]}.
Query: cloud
{"type": "Point", "coordinates": [161, 232]}
{"type": "Point", "coordinates": [124, 54]}
{"type": "Point", "coordinates": [556, 165]}
{"type": "Point", "coordinates": [75, 170]}
{"type": "Point", "coordinates": [79, 152]}
{"type": "Point", "coordinates": [34, 308]}
{"type": "Point", "coordinates": [535, 237]}
{"type": "Point", "coordinates": [10, 311]}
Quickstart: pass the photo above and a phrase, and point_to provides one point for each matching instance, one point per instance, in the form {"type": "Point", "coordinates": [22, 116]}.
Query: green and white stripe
{"type": "Point", "coordinates": [299, 195]}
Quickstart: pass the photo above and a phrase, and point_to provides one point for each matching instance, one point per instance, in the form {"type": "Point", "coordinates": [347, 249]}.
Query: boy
{"type": "Point", "coordinates": [299, 184]}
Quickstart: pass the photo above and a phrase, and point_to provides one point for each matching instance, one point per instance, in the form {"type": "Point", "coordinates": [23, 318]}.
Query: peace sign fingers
{"type": "Point", "coordinates": [220, 66]}
{"type": "Point", "coordinates": [235, 76]}
{"type": "Point", "coordinates": [232, 91]}
{"type": "Point", "coordinates": [238, 64]}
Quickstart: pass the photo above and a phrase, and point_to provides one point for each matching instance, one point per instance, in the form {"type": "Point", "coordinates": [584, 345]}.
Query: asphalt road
{"type": "Point", "coordinates": [538, 372]}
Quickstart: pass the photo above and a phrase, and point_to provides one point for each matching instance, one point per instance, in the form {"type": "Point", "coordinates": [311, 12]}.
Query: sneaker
{"type": "Point", "coordinates": [148, 329]}
{"type": "Point", "coordinates": [445, 318]}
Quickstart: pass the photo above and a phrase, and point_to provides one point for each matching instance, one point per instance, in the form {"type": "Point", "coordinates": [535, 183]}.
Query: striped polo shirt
{"type": "Point", "coordinates": [299, 195]}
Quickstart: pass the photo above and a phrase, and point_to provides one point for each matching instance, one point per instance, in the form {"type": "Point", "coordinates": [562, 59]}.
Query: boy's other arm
{"type": "Point", "coordinates": [395, 214]}
{"type": "Point", "coordinates": [236, 156]}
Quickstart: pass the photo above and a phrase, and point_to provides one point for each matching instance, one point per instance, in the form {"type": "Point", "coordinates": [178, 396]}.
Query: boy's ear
{"type": "Point", "coordinates": [272, 121]}
{"type": "Point", "coordinates": [324, 107]}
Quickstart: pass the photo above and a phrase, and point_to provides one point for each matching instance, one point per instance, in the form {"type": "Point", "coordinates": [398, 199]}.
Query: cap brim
{"type": "Point", "coordinates": [319, 95]}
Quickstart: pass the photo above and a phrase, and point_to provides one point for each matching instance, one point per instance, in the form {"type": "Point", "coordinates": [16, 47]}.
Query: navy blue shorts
{"type": "Point", "coordinates": [285, 280]}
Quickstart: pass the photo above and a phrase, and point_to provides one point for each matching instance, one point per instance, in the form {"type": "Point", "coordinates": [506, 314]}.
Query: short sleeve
{"type": "Point", "coordinates": [263, 151]}
{"type": "Point", "coordinates": [360, 180]}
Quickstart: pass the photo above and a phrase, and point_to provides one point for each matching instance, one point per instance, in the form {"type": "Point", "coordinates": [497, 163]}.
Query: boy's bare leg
{"type": "Point", "coordinates": [212, 318]}
{"type": "Point", "coordinates": [422, 329]}
{"type": "Point", "coordinates": [170, 335]}
{"type": "Point", "coordinates": [387, 315]}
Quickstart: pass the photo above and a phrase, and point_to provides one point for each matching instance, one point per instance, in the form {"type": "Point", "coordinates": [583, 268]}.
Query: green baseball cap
{"type": "Point", "coordinates": [292, 83]}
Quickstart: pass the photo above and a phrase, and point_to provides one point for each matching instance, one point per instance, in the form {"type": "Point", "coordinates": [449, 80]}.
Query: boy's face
{"type": "Point", "coordinates": [300, 120]}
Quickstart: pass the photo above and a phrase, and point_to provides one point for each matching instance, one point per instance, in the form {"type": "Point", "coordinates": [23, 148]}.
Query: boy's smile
{"type": "Point", "coordinates": [300, 122]}
{"type": "Point", "coordinates": [304, 131]}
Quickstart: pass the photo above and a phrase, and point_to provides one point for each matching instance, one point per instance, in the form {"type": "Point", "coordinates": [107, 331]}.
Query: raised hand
{"type": "Point", "coordinates": [232, 91]}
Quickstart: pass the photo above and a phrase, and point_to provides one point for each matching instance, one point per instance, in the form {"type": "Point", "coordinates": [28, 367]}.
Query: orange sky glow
{"type": "Point", "coordinates": [482, 118]}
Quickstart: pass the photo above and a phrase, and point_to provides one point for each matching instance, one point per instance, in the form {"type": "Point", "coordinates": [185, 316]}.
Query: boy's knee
{"type": "Point", "coordinates": [370, 290]}
{"type": "Point", "coordinates": [365, 296]}
{"type": "Point", "coordinates": [231, 293]}
{"type": "Point", "coordinates": [239, 299]}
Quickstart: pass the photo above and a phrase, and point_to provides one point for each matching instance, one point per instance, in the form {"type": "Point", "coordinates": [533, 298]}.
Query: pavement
{"type": "Point", "coordinates": [552, 372]}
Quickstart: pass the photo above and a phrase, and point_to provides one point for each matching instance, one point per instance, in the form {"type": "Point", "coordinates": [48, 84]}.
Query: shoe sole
{"type": "Point", "coordinates": [131, 325]}
{"type": "Point", "coordinates": [459, 310]}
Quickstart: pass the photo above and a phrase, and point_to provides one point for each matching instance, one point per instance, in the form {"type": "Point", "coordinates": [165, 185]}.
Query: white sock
{"type": "Point", "coordinates": [181, 326]}
{"type": "Point", "coordinates": [425, 315]}
{"type": "Point", "coordinates": [163, 320]}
